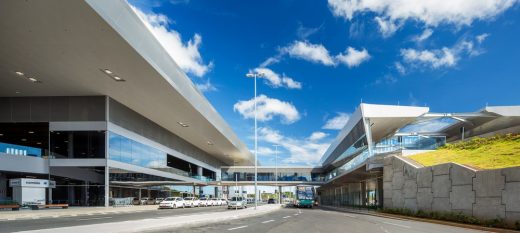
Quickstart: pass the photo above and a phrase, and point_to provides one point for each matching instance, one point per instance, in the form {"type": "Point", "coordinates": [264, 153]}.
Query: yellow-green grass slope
{"type": "Point", "coordinates": [481, 153]}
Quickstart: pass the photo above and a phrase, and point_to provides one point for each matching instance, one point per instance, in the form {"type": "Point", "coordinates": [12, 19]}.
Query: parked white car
{"type": "Point", "coordinates": [172, 203]}
{"type": "Point", "coordinates": [210, 202]}
{"type": "Point", "coordinates": [191, 202]}
{"type": "Point", "coordinates": [224, 201]}
{"type": "Point", "coordinates": [158, 200]}
{"type": "Point", "coordinates": [216, 201]}
{"type": "Point", "coordinates": [144, 201]}
{"type": "Point", "coordinates": [237, 202]}
{"type": "Point", "coordinates": [203, 202]}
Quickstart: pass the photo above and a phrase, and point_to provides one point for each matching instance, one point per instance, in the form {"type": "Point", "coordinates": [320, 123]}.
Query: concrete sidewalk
{"type": "Point", "coordinates": [71, 212]}
{"type": "Point", "coordinates": [153, 224]}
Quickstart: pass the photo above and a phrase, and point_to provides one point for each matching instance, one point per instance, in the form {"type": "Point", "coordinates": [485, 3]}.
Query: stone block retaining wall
{"type": "Point", "coordinates": [451, 187]}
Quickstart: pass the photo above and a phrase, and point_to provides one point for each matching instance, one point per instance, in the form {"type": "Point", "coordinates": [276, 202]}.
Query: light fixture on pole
{"type": "Point", "coordinates": [254, 76]}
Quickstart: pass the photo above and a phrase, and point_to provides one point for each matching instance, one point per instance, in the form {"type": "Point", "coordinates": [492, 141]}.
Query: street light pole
{"type": "Point", "coordinates": [276, 170]}
{"type": "Point", "coordinates": [254, 76]}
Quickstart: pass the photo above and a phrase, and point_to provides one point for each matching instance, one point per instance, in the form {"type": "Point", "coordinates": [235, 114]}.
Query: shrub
{"type": "Point", "coordinates": [517, 225]}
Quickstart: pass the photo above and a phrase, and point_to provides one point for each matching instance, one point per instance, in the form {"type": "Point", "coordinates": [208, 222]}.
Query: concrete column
{"type": "Point", "coordinates": [199, 171]}
{"type": "Point", "coordinates": [149, 192]}
{"type": "Point", "coordinates": [363, 193]}
{"type": "Point", "coordinates": [139, 194]}
{"type": "Point", "coordinates": [107, 186]}
{"type": "Point", "coordinates": [193, 193]}
{"type": "Point", "coordinates": [70, 195]}
{"type": "Point", "coordinates": [280, 194]}
{"type": "Point", "coordinates": [70, 145]}
{"type": "Point", "coordinates": [50, 196]}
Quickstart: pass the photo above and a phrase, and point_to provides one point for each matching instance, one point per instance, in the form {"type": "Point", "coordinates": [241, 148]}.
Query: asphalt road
{"type": "Point", "coordinates": [318, 220]}
{"type": "Point", "coordinates": [47, 223]}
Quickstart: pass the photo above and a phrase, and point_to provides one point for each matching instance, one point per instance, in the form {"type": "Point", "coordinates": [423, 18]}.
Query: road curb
{"type": "Point", "coordinates": [434, 221]}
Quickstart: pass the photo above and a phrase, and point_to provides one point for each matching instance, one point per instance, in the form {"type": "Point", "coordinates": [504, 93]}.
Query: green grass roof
{"type": "Point", "coordinates": [482, 153]}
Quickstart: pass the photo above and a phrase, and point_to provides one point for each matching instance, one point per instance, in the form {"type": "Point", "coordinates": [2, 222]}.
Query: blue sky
{"type": "Point", "coordinates": [321, 59]}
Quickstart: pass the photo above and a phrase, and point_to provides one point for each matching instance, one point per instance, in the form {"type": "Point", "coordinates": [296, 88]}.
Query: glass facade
{"type": "Point", "coordinates": [77, 144]}
{"type": "Point", "coordinates": [129, 151]}
{"type": "Point", "coordinates": [270, 176]}
{"type": "Point", "coordinates": [25, 139]}
{"type": "Point", "coordinates": [388, 145]}
{"type": "Point", "coordinates": [126, 150]}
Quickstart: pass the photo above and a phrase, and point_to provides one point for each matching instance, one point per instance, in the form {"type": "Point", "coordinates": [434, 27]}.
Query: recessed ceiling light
{"type": "Point", "coordinates": [19, 73]}
{"type": "Point", "coordinates": [112, 75]}
{"type": "Point", "coordinates": [39, 143]}
{"type": "Point", "coordinates": [33, 79]}
{"type": "Point", "coordinates": [1, 134]}
{"type": "Point", "coordinates": [182, 124]}
{"type": "Point", "coordinates": [23, 139]}
{"type": "Point", "coordinates": [210, 143]}
{"type": "Point", "coordinates": [17, 92]}
{"type": "Point", "coordinates": [31, 132]}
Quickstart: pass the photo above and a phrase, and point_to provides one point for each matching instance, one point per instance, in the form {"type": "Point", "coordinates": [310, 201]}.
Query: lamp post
{"type": "Point", "coordinates": [276, 170]}
{"type": "Point", "coordinates": [254, 76]}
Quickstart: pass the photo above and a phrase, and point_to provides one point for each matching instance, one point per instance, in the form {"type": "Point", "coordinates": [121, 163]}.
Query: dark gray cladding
{"type": "Point", "coordinates": [46, 109]}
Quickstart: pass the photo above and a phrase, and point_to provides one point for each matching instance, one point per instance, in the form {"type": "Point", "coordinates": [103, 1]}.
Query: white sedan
{"type": "Point", "coordinates": [172, 203]}
{"type": "Point", "coordinates": [216, 202]}
{"type": "Point", "coordinates": [203, 202]}
{"type": "Point", "coordinates": [191, 202]}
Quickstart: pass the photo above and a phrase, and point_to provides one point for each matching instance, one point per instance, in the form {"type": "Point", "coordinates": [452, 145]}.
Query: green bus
{"type": "Point", "coordinates": [304, 196]}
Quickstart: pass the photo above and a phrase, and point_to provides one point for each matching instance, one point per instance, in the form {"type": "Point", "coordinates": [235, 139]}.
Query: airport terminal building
{"type": "Point", "coordinates": [353, 164]}
{"type": "Point", "coordinates": [90, 100]}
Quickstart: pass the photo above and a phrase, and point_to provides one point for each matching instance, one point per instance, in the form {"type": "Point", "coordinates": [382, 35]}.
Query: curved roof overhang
{"type": "Point", "coordinates": [65, 44]}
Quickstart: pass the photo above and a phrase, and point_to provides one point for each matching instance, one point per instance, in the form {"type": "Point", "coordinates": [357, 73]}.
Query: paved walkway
{"type": "Point", "coordinates": [71, 211]}
{"type": "Point", "coordinates": [167, 222]}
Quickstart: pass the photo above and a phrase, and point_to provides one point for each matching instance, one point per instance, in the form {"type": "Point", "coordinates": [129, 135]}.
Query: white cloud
{"type": "Point", "coordinates": [434, 58]}
{"type": "Point", "coordinates": [186, 55]}
{"type": "Point", "coordinates": [429, 12]}
{"type": "Point", "coordinates": [304, 32]}
{"type": "Point", "coordinates": [311, 52]}
{"type": "Point", "coordinates": [316, 136]}
{"type": "Point", "coordinates": [265, 151]}
{"type": "Point", "coordinates": [400, 68]}
{"type": "Point", "coordinates": [424, 35]}
{"type": "Point", "coordinates": [353, 57]}
{"type": "Point", "coordinates": [387, 27]}
{"type": "Point", "coordinates": [482, 37]}
{"type": "Point", "coordinates": [444, 57]}
{"type": "Point", "coordinates": [338, 122]}
{"type": "Point", "coordinates": [271, 60]}
{"type": "Point", "coordinates": [301, 151]}
{"type": "Point", "coordinates": [267, 109]}
{"type": "Point", "coordinates": [206, 86]}
{"type": "Point", "coordinates": [275, 80]}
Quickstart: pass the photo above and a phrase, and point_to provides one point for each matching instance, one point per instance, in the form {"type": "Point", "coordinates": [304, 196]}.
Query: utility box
{"type": "Point", "coordinates": [30, 191]}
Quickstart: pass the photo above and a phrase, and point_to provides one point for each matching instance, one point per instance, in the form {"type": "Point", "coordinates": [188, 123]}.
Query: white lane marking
{"type": "Point", "coordinates": [295, 214]}
{"type": "Point", "coordinates": [230, 229]}
{"type": "Point", "coordinates": [268, 221]}
{"type": "Point", "coordinates": [299, 211]}
{"type": "Point", "coordinates": [399, 225]}
{"type": "Point", "coordinates": [86, 219]}
{"type": "Point", "coordinates": [287, 217]}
